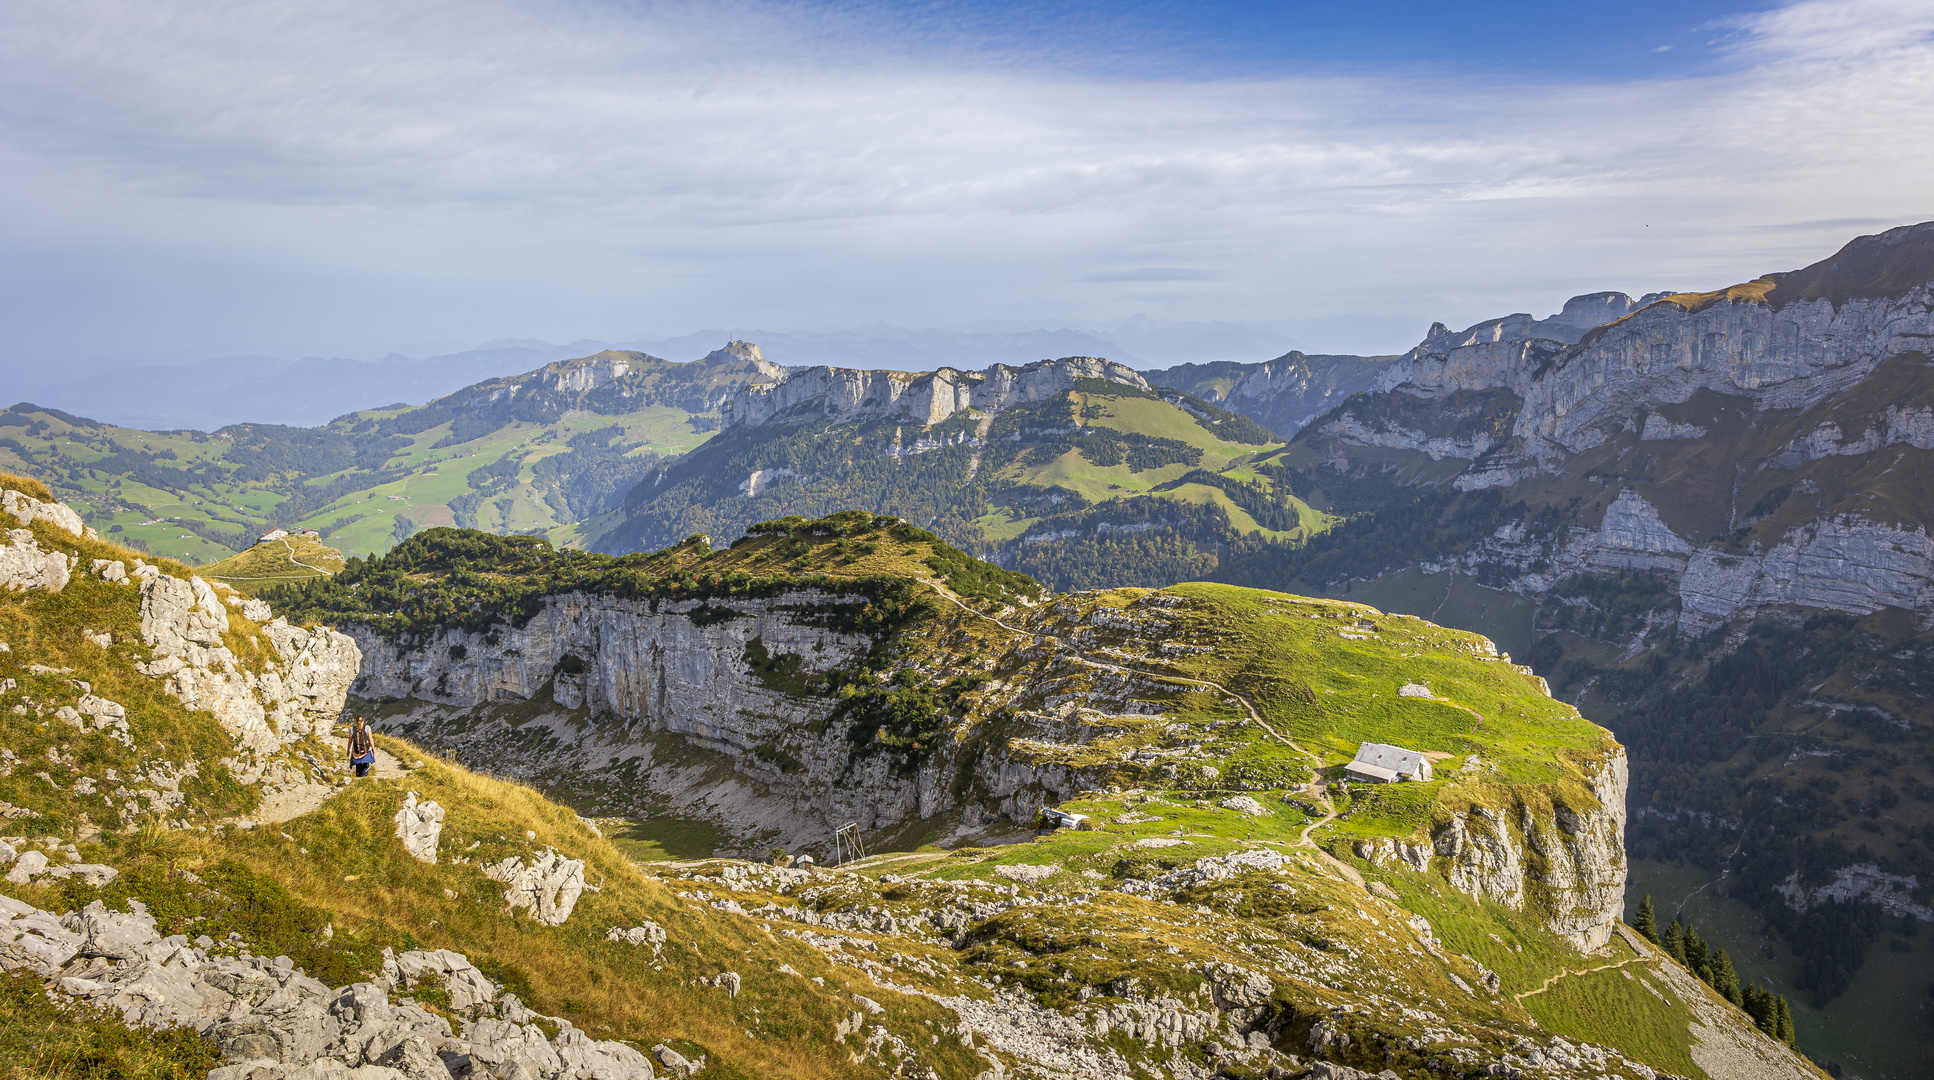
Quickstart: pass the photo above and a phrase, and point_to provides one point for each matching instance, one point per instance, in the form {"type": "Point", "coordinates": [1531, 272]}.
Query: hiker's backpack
{"type": "Point", "coordinates": [361, 744]}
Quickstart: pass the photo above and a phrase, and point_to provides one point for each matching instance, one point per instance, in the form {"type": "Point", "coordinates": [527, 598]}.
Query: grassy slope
{"type": "Point", "coordinates": [1099, 483]}
{"type": "Point", "coordinates": [436, 476]}
{"type": "Point", "coordinates": [275, 562]}
{"type": "Point", "coordinates": [1290, 658]}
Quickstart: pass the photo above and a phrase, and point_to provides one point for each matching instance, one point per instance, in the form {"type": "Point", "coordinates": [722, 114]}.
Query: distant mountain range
{"type": "Point", "coordinates": [310, 392]}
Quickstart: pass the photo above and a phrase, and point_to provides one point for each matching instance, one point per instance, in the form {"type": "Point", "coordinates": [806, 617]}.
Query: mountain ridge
{"type": "Point", "coordinates": [1650, 515]}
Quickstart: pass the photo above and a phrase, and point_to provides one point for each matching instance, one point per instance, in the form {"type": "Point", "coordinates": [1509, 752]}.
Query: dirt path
{"type": "Point", "coordinates": [283, 804]}
{"type": "Point", "coordinates": [1549, 983]}
{"type": "Point", "coordinates": [304, 565]}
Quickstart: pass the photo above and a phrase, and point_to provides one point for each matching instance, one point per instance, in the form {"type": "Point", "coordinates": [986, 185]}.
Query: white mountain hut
{"type": "Point", "coordinates": [1378, 763]}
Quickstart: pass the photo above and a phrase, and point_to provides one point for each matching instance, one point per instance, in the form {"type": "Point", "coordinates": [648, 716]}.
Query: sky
{"type": "Point", "coordinates": [184, 179]}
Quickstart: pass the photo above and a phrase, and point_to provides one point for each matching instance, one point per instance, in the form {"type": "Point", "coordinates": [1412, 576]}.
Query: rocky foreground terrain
{"type": "Point", "coordinates": [191, 857]}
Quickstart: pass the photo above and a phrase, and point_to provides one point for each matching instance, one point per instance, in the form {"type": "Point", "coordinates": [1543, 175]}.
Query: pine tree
{"type": "Point", "coordinates": [1726, 980]}
{"type": "Point", "coordinates": [1759, 1005]}
{"type": "Point", "coordinates": [1647, 923]}
{"type": "Point", "coordinates": [1698, 957]}
{"type": "Point", "coordinates": [1783, 1022]}
{"type": "Point", "coordinates": [1674, 942]}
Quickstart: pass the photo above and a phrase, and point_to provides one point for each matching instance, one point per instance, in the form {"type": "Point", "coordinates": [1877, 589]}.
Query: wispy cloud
{"type": "Point", "coordinates": [1155, 273]}
{"type": "Point", "coordinates": [365, 171]}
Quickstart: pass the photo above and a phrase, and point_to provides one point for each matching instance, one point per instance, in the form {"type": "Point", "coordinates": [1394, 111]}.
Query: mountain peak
{"type": "Point", "coordinates": [743, 355]}
{"type": "Point", "coordinates": [1881, 266]}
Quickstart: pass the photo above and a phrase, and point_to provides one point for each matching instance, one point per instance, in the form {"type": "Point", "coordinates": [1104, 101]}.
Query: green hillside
{"type": "Point", "coordinates": [1105, 476]}
{"type": "Point", "coordinates": [1154, 478]}
{"type": "Point", "coordinates": [296, 557]}
{"type": "Point", "coordinates": [540, 452]}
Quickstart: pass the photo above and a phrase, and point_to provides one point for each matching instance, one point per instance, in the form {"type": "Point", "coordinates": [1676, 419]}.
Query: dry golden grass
{"type": "Point", "coordinates": [26, 485]}
{"type": "Point", "coordinates": [1752, 292]}
{"type": "Point", "coordinates": [355, 867]}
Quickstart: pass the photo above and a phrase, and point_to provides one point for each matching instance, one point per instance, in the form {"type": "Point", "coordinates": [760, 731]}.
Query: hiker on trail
{"type": "Point", "coordinates": [362, 748]}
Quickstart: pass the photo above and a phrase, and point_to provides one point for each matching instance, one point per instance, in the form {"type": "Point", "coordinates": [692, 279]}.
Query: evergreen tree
{"type": "Point", "coordinates": [1783, 1022]}
{"type": "Point", "coordinates": [1726, 980]}
{"type": "Point", "coordinates": [1647, 923]}
{"type": "Point", "coordinates": [1759, 1005]}
{"type": "Point", "coordinates": [1697, 956]}
{"type": "Point", "coordinates": [1674, 942]}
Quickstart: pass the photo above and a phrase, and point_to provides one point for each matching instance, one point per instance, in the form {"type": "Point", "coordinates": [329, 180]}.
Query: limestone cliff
{"type": "Point", "coordinates": [1282, 394]}
{"type": "Point", "coordinates": [299, 692]}
{"type": "Point", "coordinates": [1769, 379]}
{"type": "Point", "coordinates": [845, 394]}
{"type": "Point", "coordinates": [606, 675]}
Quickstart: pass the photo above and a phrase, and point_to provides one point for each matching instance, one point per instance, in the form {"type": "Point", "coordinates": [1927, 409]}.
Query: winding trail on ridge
{"type": "Point", "coordinates": [1315, 789]}
{"type": "Point", "coordinates": [304, 565]}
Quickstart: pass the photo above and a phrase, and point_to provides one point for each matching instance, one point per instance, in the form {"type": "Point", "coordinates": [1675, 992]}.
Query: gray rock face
{"type": "Point", "coordinates": [843, 394]}
{"type": "Point", "coordinates": [451, 972]}
{"type": "Point", "coordinates": [1805, 346]}
{"type": "Point", "coordinates": [628, 673]}
{"type": "Point", "coordinates": [419, 826]}
{"type": "Point", "coordinates": [549, 885]}
{"type": "Point", "coordinates": [1572, 862]}
{"type": "Point", "coordinates": [277, 1024]}
{"type": "Point", "coordinates": [1286, 393]}
{"type": "Point", "coordinates": [183, 623]}
{"type": "Point", "coordinates": [659, 668]}
{"type": "Point", "coordinates": [1843, 562]}
{"type": "Point", "coordinates": [23, 565]}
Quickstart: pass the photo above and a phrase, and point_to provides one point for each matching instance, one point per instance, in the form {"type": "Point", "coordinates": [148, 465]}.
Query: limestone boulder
{"type": "Point", "coordinates": [26, 510]}
{"type": "Point", "coordinates": [27, 867]}
{"type": "Point", "coordinates": [549, 885]}
{"type": "Point", "coordinates": [419, 826]}
{"type": "Point", "coordinates": [24, 566]}
{"type": "Point", "coordinates": [646, 933]}
{"type": "Point", "coordinates": [452, 972]}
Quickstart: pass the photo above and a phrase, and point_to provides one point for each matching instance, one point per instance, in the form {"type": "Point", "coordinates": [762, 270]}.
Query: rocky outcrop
{"type": "Point", "coordinates": [184, 624]}
{"type": "Point", "coordinates": [1845, 562]}
{"type": "Point", "coordinates": [673, 666]}
{"type": "Point", "coordinates": [276, 1023]}
{"type": "Point", "coordinates": [685, 669]}
{"type": "Point", "coordinates": [26, 510]}
{"type": "Point", "coordinates": [1894, 893]}
{"type": "Point", "coordinates": [23, 565]}
{"type": "Point", "coordinates": [471, 993]}
{"type": "Point", "coordinates": [924, 398]}
{"type": "Point", "coordinates": [646, 933]}
{"type": "Point", "coordinates": [549, 885]}
{"type": "Point", "coordinates": [419, 826]}
{"type": "Point", "coordinates": [1283, 394]}
{"type": "Point", "coordinates": [1568, 861]}
{"type": "Point", "coordinates": [613, 382]}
